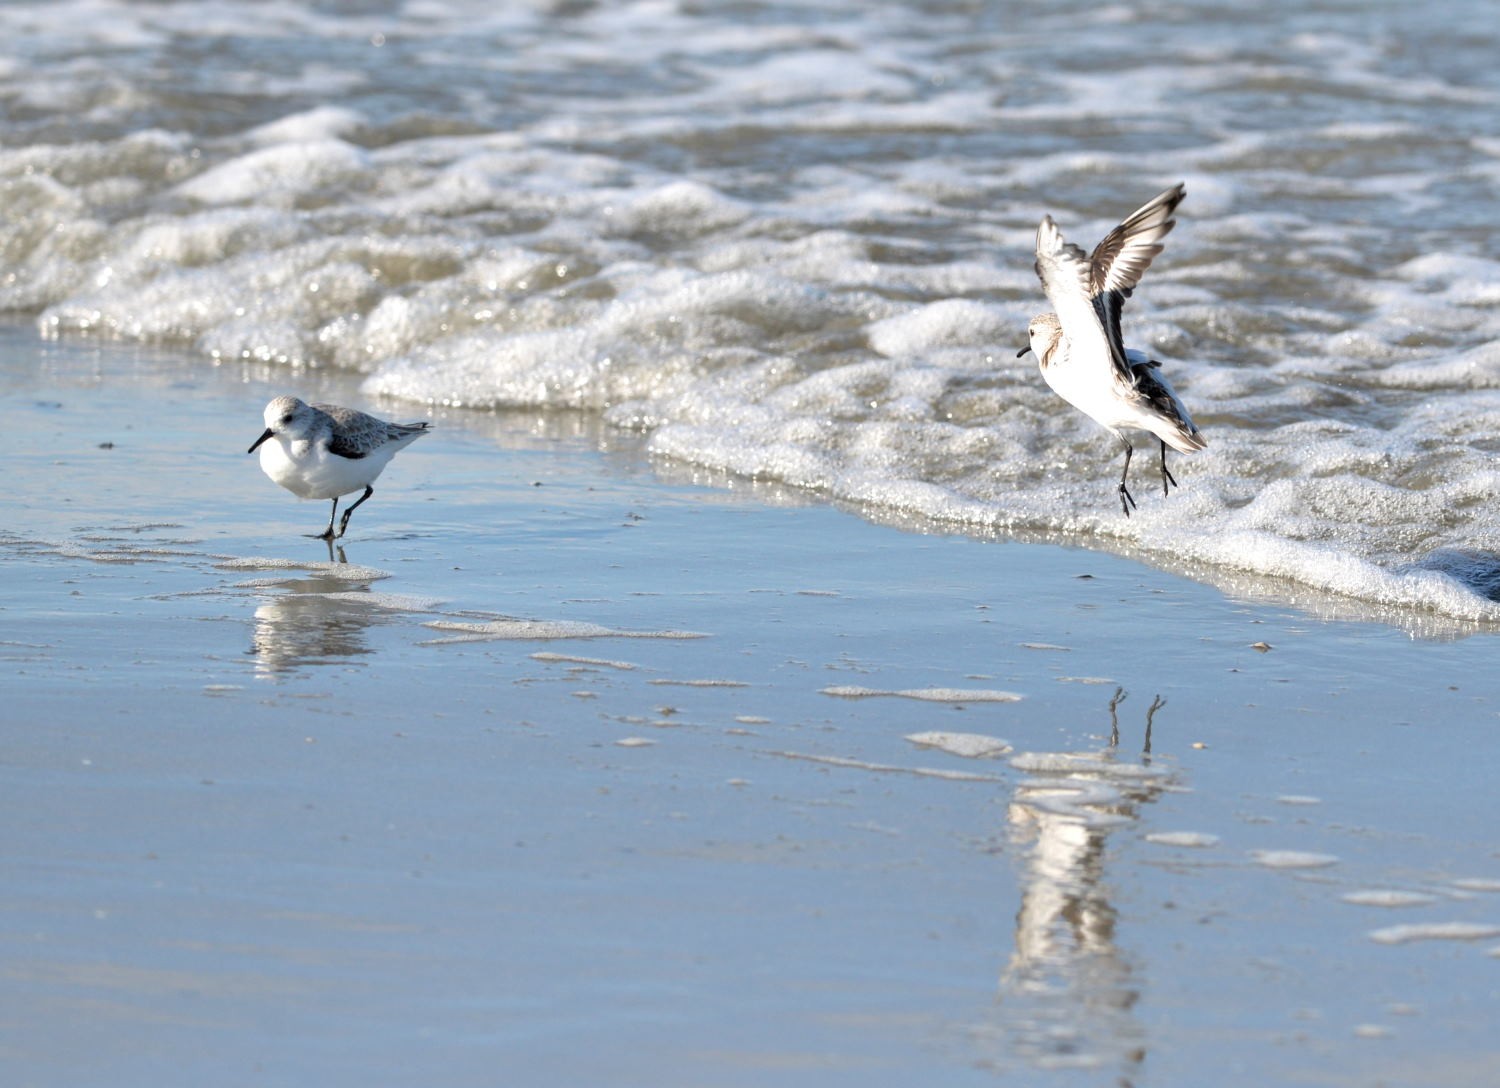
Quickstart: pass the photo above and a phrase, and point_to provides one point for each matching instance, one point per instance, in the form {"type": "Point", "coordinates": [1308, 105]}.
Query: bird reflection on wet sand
{"type": "Point", "coordinates": [1068, 991]}
{"type": "Point", "coordinates": [318, 620]}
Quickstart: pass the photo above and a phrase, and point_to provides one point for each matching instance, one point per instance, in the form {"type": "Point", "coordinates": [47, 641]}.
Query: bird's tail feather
{"type": "Point", "coordinates": [1184, 439]}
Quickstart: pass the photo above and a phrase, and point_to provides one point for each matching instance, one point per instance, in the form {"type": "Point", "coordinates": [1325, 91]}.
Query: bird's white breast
{"type": "Point", "coordinates": [1090, 389]}
{"type": "Point", "coordinates": [1090, 385]}
{"type": "Point", "coordinates": [308, 470]}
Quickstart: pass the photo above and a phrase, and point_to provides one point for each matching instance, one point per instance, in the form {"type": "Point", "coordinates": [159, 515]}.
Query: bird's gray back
{"type": "Point", "coordinates": [355, 434]}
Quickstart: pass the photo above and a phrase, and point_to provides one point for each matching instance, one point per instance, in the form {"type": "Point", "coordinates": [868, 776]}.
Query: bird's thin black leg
{"type": "Point", "coordinates": [1114, 719]}
{"type": "Point", "coordinates": [1166, 475]}
{"type": "Point", "coordinates": [1127, 500]}
{"type": "Point", "coordinates": [345, 523]}
{"type": "Point", "coordinates": [1156, 704]}
{"type": "Point", "coordinates": [327, 534]}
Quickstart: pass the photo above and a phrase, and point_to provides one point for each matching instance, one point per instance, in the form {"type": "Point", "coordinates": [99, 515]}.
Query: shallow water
{"type": "Point", "coordinates": [911, 808]}
{"type": "Point", "coordinates": [793, 245]}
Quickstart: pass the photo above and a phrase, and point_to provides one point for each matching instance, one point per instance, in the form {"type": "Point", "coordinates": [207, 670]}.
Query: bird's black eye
{"type": "Point", "coordinates": [286, 419]}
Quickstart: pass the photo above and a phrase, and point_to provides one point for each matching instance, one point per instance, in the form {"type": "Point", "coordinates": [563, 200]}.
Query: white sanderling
{"type": "Point", "coordinates": [1082, 355]}
{"type": "Point", "coordinates": [322, 451]}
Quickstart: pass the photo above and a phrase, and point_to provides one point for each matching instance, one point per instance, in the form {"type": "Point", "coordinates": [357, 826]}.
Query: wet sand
{"type": "Point", "coordinates": [574, 768]}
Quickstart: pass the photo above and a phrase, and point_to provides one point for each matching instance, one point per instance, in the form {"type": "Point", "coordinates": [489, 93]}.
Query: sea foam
{"type": "Point", "coordinates": [805, 258]}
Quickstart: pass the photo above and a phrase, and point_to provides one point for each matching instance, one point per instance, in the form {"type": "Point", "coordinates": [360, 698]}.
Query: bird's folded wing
{"type": "Point", "coordinates": [355, 434]}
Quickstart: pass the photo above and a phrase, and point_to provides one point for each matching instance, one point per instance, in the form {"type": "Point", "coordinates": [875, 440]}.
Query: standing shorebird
{"type": "Point", "coordinates": [322, 451]}
{"type": "Point", "coordinates": [1079, 347]}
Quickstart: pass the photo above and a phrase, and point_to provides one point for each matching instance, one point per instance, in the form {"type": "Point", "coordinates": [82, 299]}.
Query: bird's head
{"type": "Point", "coordinates": [286, 416]}
{"type": "Point", "coordinates": [1043, 336]}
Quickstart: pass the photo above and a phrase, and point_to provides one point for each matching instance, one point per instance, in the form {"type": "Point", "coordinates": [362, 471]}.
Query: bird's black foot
{"type": "Point", "coordinates": [327, 534]}
{"type": "Point", "coordinates": [1127, 500]}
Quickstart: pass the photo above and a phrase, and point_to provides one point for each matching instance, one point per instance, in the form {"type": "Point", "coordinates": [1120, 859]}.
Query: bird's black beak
{"type": "Point", "coordinates": [1020, 353]}
{"type": "Point", "coordinates": [259, 440]}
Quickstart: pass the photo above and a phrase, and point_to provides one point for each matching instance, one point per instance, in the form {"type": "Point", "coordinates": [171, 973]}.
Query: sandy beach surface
{"type": "Point", "coordinates": [572, 767]}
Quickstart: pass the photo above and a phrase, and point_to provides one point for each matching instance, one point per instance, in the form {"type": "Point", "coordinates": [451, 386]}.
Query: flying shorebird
{"type": "Point", "coordinates": [1079, 347]}
{"type": "Point", "coordinates": [322, 451]}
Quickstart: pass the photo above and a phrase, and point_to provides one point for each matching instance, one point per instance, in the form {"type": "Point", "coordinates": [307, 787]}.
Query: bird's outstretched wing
{"type": "Point", "coordinates": [1119, 262]}
{"type": "Point", "coordinates": [1105, 278]}
{"type": "Point", "coordinates": [1121, 259]}
{"type": "Point", "coordinates": [1067, 277]}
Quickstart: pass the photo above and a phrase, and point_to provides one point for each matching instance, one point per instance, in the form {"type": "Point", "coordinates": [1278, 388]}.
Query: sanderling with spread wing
{"type": "Point", "coordinates": [322, 451]}
{"type": "Point", "coordinates": [1082, 355]}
